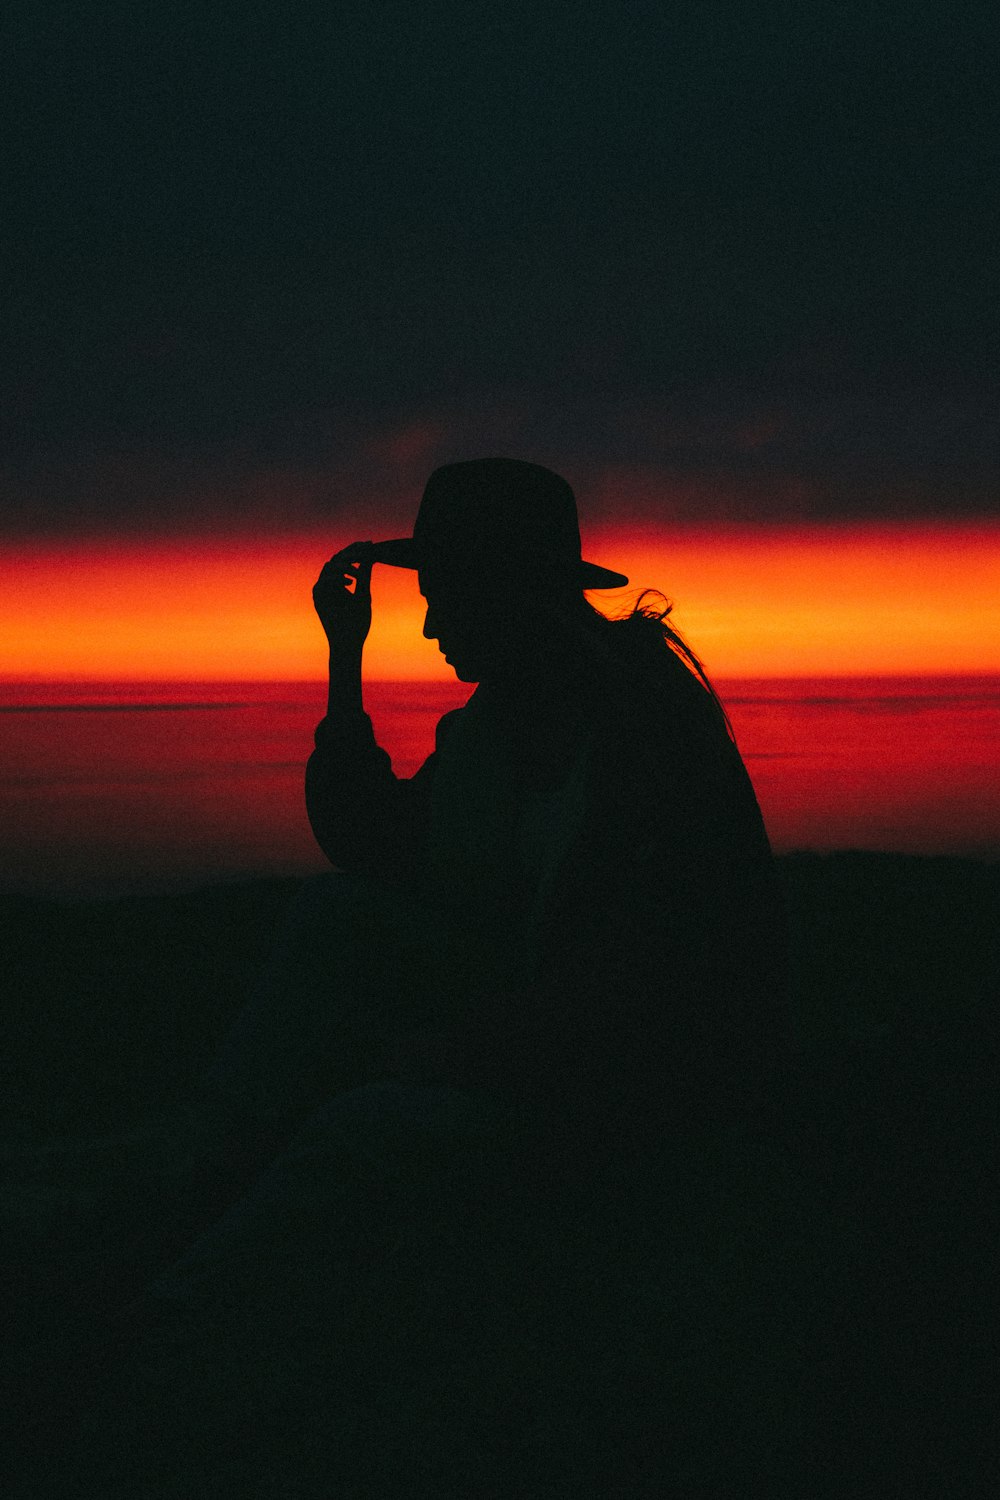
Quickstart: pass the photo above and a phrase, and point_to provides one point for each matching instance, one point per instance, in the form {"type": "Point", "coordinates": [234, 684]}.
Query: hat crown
{"type": "Point", "coordinates": [499, 507]}
{"type": "Point", "coordinates": [499, 518]}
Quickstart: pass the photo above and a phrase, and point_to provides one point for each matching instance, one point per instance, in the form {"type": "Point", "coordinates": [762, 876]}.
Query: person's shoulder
{"type": "Point", "coordinates": [632, 694]}
{"type": "Point", "coordinates": [659, 720]}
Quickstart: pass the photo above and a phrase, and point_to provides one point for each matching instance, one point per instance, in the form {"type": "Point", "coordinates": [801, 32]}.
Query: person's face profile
{"type": "Point", "coordinates": [473, 622]}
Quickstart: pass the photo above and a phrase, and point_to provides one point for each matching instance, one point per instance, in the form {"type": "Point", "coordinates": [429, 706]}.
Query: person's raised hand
{"type": "Point", "coordinates": [345, 612]}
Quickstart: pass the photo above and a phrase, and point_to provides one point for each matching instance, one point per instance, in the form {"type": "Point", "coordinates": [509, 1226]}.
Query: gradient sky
{"type": "Point", "coordinates": [733, 272]}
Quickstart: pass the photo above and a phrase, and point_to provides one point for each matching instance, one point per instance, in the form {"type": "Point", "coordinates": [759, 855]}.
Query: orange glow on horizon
{"type": "Point", "coordinates": [883, 599]}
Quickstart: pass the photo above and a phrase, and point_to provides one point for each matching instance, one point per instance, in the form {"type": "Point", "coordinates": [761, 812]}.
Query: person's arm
{"type": "Point", "coordinates": [364, 818]}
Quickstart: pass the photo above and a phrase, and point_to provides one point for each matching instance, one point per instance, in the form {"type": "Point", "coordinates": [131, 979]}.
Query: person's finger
{"type": "Point", "coordinates": [364, 571]}
{"type": "Point", "coordinates": [332, 579]}
{"type": "Point", "coordinates": [352, 556]}
{"type": "Point", "coordinates": [349, 565]}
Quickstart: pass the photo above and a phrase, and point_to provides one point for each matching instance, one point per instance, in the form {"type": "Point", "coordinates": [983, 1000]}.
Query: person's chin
{"type": "Point", "coordinates": [460, 670]}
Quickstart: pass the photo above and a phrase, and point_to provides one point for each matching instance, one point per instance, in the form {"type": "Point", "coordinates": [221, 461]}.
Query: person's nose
{"type": "Point", "coordinates": [430, 625]}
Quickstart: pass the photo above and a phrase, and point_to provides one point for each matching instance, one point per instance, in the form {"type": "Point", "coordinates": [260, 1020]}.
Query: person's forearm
{"type": "Point", "coordinates": [363, 817]}
{"type": "Point", "coordinates": [344, 697]}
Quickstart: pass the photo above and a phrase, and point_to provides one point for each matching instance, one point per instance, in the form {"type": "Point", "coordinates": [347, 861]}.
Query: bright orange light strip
{"type": "Point", "coordinates": [752, 601]}
{"type": "Point", "coordinates": [844, 600]}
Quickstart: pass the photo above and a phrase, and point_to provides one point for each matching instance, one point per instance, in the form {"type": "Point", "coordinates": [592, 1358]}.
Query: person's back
{"type": "Point", "coordinates": [661, 938]}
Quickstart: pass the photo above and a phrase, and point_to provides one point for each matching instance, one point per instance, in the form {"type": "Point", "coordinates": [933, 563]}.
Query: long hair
{"type": "Point", "coordinates": [642, 640]}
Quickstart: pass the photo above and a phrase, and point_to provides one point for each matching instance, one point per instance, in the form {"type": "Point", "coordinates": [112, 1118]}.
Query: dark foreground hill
{"type": "Point", "coordinates": [804, 1307]}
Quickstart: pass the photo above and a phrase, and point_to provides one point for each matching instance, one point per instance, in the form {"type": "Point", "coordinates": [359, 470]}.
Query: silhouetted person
{"type": "Point", "coordinates": [570, 910]}
{"type": "Point", "coordinates": [584, 844]}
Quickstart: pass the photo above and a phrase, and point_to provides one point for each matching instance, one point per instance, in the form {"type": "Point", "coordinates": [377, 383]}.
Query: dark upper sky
{"type": "Point", "coordinates": [259, 254]}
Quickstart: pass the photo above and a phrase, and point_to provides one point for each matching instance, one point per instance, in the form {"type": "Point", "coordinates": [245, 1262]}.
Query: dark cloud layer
{"type": "Point", "coordinates": [723, 455]}
{"type": "Point", "coordinates": [261, 258]}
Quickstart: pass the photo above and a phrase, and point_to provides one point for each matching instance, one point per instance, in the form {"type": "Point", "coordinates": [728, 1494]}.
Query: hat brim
{"type": "Point", "coordinates": [402, 553]}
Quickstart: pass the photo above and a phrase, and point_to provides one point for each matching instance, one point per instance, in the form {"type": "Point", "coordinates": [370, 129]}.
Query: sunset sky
{"type": "Point", "coordinates": [789, 601]}
{"type": "Point", "coordinates": [732, 272]}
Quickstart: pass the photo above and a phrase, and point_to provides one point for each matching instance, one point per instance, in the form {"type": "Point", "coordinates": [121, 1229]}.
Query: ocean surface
{"type": "Point", "coordinates": [114, 788]}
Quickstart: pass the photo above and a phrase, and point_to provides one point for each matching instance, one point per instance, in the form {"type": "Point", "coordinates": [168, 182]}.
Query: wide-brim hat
{"type": "Point", "coordinates": [497, 517]}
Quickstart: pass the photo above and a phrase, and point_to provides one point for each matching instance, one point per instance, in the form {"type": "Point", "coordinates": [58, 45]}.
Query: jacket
{"type": "Point", "coordinates": [597, 883]}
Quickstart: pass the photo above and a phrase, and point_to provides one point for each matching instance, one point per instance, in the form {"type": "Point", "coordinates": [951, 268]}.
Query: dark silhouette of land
{"type": "Point", "coordinates": [829, 1326]}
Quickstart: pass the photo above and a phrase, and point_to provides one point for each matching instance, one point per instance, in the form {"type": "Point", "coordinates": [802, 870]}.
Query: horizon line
{"type": "Point", "coordinates": [19, 679]}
